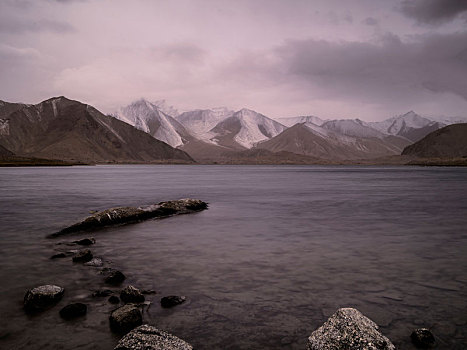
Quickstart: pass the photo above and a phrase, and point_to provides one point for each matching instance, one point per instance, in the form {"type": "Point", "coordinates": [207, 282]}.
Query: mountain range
{"type": "Point", "coordinates": [145, 131]}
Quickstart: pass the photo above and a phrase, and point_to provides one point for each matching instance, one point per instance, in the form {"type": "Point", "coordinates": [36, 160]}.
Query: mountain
{"type": "Point", "coordinates": [303, 119]}
{"type": "Point", "coordinates": [447, 142]}
{"type": "Point", "coordinates": [313, 140]}
{"type": "Point", "coordinates": [409, 125]}
{"type": "Point", "coordinates": [6, 108]}
{"type": "Point", "coordinates": [244, 129]}
{"type": "Point", "coordinates": [64, 129]}
{"type": "Point", "coordinates": [147, 117]}
{"type": "Point", "coordinates": [352, 127]}
{"type": "Point", "coordinates": [200, 121]}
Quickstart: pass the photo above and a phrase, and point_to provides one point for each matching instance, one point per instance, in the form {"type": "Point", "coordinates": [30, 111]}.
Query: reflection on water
{"type": "Point", "coordinates": [278, 251]}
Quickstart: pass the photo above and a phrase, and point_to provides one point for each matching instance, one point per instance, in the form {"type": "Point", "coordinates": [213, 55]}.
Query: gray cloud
{"type": "Point", "coordinates": [20, 26]}
{"type": "Point", "coordinates": [370, 21]}
{"type": "Point", "coordinates": [433, 11]}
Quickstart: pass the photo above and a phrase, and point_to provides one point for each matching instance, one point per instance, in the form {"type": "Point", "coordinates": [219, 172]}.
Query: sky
{"type": "Point", "coordinates": [367, 59]}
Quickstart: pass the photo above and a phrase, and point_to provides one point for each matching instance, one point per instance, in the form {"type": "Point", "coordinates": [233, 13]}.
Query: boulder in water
{"type": "Point", "coordinates": [84, 255]}
{"type": "Point", "coordinates": [172, 300]}
{"type": "Point", "coordinates": [423, 338]}
{"type": "Point", "coordinates": [42, 297]}
{"type": "Point", "coordinates": [131, 294]}
{"type": "Point", "coordinates": [73, 310]}
{"type": "Point", "coordinates": [115, 277]}
{"type": "Point", "coordinates": [146, 337]}
{"type": "Point", "coordinates": [85, 241]}
{"type": "Point", "coordinates": [125, 318]}
{"type": "Point", "coordinates": [348, 329]}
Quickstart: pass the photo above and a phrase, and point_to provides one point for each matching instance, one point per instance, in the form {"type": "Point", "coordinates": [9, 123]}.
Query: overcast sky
{"type": "Point", "coordinates": [367, 59]}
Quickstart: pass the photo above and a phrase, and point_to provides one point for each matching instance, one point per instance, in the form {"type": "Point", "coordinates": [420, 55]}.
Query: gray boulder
{"type": "Point", "coordinates": [41, 297]}
{"type": "Point", "coordinates": [146, 337]}
{"type": "Point", "coordinates": [125, 318]}
{"type": "Point", "coordinates": [124, 215]}
{"type": "Point", "coordinates": [348, 329]}
{"type": "Point", "coordinates": [130, 294]}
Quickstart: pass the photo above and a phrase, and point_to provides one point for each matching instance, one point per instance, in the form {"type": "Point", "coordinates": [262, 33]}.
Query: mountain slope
{"type": "Point", "coordinates": [448, 142]}
{"type": "Point", "coordinates": [244, 129]}
{"type": "Point", "coordinates": [200, 121]}
{"type": "Point", "coordinates": [302, 119]}
{"type": "Point", "coordinates": [147, 117]}
{"type": "Point", "coordinates": [352, 127]}
{"type": "Point", "coordinates": [60, 128]}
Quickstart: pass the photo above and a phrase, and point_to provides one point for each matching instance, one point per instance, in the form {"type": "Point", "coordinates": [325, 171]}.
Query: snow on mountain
{"type": "Point", "coordinates": [164, 107]}
{"type": "Point", "coordinates": [200, 121]}
{"type": "Point", "coordinates": [245, 128]}
{"type": "Point", "coordinates": [291, 121]}
{"type": "Point", "coordinates": [148, 117]}
{"type": "Point", "coordinates": [448, 120]}
{"type": "Point", "coordinates": [394, 125]}
{"type": "Point", "coordinates": [352, 127]}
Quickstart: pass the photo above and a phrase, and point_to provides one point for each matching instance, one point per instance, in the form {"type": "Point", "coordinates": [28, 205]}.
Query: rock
{"type": "Point", "coordinates": [148, 291]}
{"type": "Point", "coordinates": [113, 299]}
{"type": "Point", "coordinates": [115, 277]}
{"type": "Point", "coordinates": [423, 338]}
{"type": "Point", "coordinates": [85, 241]}
{"type": "Point", "coordinates": [131, 294]}
{"type": "Point", "coordinates": [146, 337]}
{"type": "Point", "coordinates": [58, 256]}
{"type": "Point", "coordinates": [95, 262]}
{"type": "Point", "coordinates": [125, 318]}
{"type": "Point", "coordinates": [84, 255]}
{"type": "Point", "coordinates": [172, 300]}
{"type": "Point", "coordinates": [124, 215]}
{"type": "Point", "coordinates": [348, 329]}
{"type": "Point", "coordinates": [41, 297]}
{"type": "Point", "coordinates": [102, 293]}
{"type": "Point", "coordinates": [73, 310]}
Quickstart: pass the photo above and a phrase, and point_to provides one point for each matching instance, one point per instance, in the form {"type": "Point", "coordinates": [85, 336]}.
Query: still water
{"type": "Point", "coordinates": [278, 251]}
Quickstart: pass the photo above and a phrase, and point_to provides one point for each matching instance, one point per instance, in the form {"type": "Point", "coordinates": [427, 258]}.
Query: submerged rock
{"type": "Point", "coordinates": [146, 337]}
{"type": "Point", "coordinates": [73, 310]}
{"type": "Point", "coordinates": [131, 294]}
{"type": "Point", "coordinates": [102, 293]}
{"type": "Point", "coordinates": [125, 318]}
{"type": "Point", "coordinates": [348, 329]}
{"type": "Point", "coordinates": [84, 255]}
{"type": "Point", "coordinates": [123, 215]}
{"type": "Point", "coordinates": [115, 277]}
{"type": "Point", "coordinates": [423, 338]}
{"type": "Point", "coordinates": [172, 300]}
{"type": "Point", "coordinates": [41, 297]}
{"type": "Point", "coordinates": [85, 241]}
{"type": "Point", "coordinates": [58, 256]}
{"type": "Point", "coordinates": [95, 262]}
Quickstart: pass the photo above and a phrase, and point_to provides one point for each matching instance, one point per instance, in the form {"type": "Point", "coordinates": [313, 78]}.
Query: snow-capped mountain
{"type": "Point", "coordinates": [291, 121]}
{"type": "Point", "coordinates": [409, 125]}
{"type": "Point", "coordinates": [163, 106]}
{"type": "Point", "coordinates": [244, 129]}
{"type": "Point", "coordinates": [352, 127]}
{"type": "Point", "coordinates": [200, 121]}
{"type": "Point", "coordinates": [149, 118]}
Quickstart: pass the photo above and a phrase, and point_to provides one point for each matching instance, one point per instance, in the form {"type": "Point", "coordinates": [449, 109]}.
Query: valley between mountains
{"type": "Point", "coordinates": [61, 131]}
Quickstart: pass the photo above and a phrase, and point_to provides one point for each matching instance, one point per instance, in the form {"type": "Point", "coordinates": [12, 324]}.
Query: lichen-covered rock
{"type": "Point", "coordinates": [146, 337]}
{"type": "Point", "coordinates": [73, 310]}
{"type": "Point", "coordinates": [130, 294]}
{"type": "Point", "coordinates": [124, 215]}
{"type": "Point", "coordinates": [423, 338]}
{"type": "Point", "coordinates": [41, 297]}
{"type": "Point", "coordinates": [172, 300]}
{"type": "Point", "coordinates": [84, 255]}
{"type": "Point", "coordinates": [115, 278]}
{"type": "Point", "coordinates": [348, 329]}
{"type": "Point", "coordinates": [125, 318]}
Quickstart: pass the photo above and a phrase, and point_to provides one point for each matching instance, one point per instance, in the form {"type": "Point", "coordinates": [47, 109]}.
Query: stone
{"type": "Point", "coordinates": [423, 338]}
{"type": "Point", "coordinates": [58, 256]}
{"type": "Point", "coordinates": [85, 241]}
{"type": "Point", "coordinates": [42, 297]}
{"type": "Point", "coordinates": [131, 294]}
{"type": "Point", "coordinates": [73, 310]}
{"type": "Point", "coordinates": [102, 293]}
{"type": "Point", "coordinates": [348, 329]}
{"type": "Point", "coordinates": [172, 300]}
{"type": "Point", "coordinates": [115, 277]}
{"type": "Point", "coordinates": [84, 255]}
{"type": "Point", "coordinates": [148, 291]}
{"type": "Point", "coordinates": [113, 299]}
{"type": "Point", "coordinates": [125, 215]}
{"type": "Point", "coordinates": [125, 318]}
{"type": "Point", "coordinates": [95, 262]}
{"type": "Point", "coordinates": [146, 337]}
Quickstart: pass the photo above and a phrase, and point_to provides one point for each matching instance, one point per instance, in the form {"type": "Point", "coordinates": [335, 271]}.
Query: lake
{"type": "Point", "coordinates": [278, 251]}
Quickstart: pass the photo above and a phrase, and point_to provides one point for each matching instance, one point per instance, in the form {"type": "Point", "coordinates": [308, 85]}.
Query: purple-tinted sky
{"type": "Point", "coordinates": [367, 59]}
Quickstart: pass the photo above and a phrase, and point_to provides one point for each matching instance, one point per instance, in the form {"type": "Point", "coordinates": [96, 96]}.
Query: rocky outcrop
{"type": "Point", "coordinates": [131, 294]}
{"type": "Point", "coordinates": [146, 337]}
{"type": "Point", "coordinates": [125, 215]}
{"type": "Point", "coordinates": [172, 300]}
{"type": "Point", "coordinates": [73, 310]}
{"type": "Point", "coordinates": [42, 297]}
{"type": "Point", "coordinates": [125, 318]}
{"type": "Point", "coordinates": [423, 338]}
{"type": "Point", "coordinates": [348, 329]}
